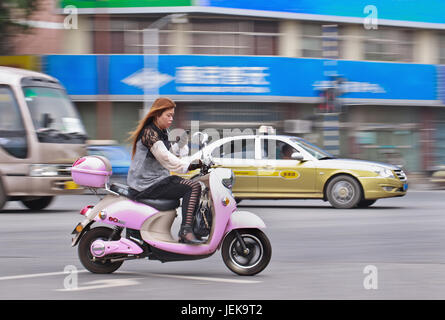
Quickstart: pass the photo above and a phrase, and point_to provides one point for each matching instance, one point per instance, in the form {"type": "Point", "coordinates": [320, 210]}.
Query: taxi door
{"type": "Point", "coordinates": [239, 155]}
{"type": "Point", "coordinates": [278, 173]}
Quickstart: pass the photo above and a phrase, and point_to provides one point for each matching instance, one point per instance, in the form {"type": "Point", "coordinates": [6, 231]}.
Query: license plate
{"type": "Point", "coordinates": [405, 186]}
{"type": "Point", "coordinates": [71, 185]}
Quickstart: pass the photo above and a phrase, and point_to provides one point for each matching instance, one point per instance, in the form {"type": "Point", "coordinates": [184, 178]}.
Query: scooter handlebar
{"type": "Point", "coordinates": [207, 164]}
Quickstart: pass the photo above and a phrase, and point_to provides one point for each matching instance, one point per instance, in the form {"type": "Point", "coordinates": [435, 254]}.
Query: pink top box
{"type": "Point", "coordinates": [91, 171]}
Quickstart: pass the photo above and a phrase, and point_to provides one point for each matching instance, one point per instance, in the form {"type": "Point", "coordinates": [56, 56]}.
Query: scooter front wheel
{"type": "Point", "coordinates": [249, 258]}
{"type": "Point", "coordinates": [87, 259]}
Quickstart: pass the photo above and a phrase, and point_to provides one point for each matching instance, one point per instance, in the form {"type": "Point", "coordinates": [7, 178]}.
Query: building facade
{"type": "Point", "coordinates": [231, 64]}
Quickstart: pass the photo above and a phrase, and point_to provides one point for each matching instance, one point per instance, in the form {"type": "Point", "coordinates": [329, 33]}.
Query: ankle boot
{"type": "Point", "coordinates": [186, 236]}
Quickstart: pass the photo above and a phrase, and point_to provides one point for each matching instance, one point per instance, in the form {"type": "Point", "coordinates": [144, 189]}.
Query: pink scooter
{"type": "Point", "coordinates": [245, 248]}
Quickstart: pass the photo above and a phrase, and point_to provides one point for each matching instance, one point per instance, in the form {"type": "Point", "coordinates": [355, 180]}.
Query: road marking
{"type": "Point", "coordinates": [108, 283]}
{"type": "Point", "coordinates": [162, 275]}
{"type": "Point", "coordinates": [36, 275]}
{"type": "Point", "coordinates": [102, 284]}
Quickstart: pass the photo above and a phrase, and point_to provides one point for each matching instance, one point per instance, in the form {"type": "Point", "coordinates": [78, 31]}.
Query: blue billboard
{"type": "Point", "coordinates": [77, 73]}
{"type": "Point", "coordinates": [251, 77]}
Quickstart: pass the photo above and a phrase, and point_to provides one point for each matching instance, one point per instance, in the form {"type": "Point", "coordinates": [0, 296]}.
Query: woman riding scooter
{"type": "Point", "coordinates": [149, 174]}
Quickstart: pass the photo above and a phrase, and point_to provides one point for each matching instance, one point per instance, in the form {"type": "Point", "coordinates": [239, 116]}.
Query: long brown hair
{"type": "Point", "coordinates": [158, 107]}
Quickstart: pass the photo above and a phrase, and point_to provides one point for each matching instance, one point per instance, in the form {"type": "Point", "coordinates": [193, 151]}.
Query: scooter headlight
{"type": "Point", "coordinates": [228, 183]}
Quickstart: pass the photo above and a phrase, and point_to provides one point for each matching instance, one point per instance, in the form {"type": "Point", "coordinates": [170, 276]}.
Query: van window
{"type": "Point", "coordinates": [54, 116]}
{"type": "Point", "coordinates": [12, 131]}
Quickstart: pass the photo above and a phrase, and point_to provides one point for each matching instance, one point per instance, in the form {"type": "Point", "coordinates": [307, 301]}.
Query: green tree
{"type": "Point", "coordinates": [11, 13]}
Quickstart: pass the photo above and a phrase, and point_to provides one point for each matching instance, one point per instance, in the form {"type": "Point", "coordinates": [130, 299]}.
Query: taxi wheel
{"type": "Point", "coordinates": [344, 192]}
{"type": "Point", "coordinates": [39, 203]}
{"type": "Point", "coordinates": [366, 203]}
{"type": "Point", "coordinates": [3, 197]}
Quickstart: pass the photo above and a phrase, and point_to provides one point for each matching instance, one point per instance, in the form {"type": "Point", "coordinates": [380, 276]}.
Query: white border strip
{"type": "Point", "coordinates": [37, 275]}
{"type": "Point", "coordinates": [255, 13]}
{"type": "Point", "coordinates": [258, 98]}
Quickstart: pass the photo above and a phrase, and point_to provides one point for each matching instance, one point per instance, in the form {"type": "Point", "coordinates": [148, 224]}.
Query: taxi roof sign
{"type": "Point", "coordinates": [266, 130]}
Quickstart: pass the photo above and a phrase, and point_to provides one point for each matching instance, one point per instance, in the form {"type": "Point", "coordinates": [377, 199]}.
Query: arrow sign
{"type": "Point", "coordinates": [147, 78]}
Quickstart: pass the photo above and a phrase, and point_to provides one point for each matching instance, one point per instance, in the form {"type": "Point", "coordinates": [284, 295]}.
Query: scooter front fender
{"type": "Point", "coordinates": [243, 220]}
{"type": "Point", "coordinates": [85, 226]}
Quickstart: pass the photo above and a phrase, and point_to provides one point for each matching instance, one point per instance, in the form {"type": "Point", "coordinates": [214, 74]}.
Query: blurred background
{"type": "Point", "coordinates": [361, 81]}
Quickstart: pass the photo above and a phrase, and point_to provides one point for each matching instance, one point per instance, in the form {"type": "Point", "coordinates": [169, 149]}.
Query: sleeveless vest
{"type": "Point", "coordinates": [145, 170]}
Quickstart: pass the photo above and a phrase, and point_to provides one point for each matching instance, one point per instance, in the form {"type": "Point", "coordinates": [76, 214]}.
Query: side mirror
{"type": "Point", "coordinates": [297, 156]}
{"type": "Point", "coordinates": [46, 120]}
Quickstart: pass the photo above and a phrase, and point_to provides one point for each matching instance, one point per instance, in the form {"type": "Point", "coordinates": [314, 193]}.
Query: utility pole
{"type": "Point", "coordinates": [330, 107]}
{"type": "Point", "coordinates": [102, 47]}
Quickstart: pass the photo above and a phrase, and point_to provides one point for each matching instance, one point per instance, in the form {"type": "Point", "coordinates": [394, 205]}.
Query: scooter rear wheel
{"type": "Point", "coordinates": [101, 265]}
{"type": "Point", "coordinates": [254, 260]}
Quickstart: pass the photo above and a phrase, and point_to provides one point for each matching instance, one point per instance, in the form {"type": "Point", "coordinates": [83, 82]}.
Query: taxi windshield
{"type": "Point", "coordinates": [315, 151]}
{"type": "Point", "coordinates": [51, 109]}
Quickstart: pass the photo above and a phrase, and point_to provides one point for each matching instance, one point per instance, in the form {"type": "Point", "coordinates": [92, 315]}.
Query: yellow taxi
{"type": "Point", "coordinates": [288, 167]}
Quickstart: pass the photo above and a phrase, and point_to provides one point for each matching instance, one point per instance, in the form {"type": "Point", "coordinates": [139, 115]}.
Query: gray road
{"type": "Point", "coordinates": [393, 250]}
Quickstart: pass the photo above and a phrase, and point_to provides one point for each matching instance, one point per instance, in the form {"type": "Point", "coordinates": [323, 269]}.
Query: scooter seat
{"type": "Point", "coordinates": [122, 189]}
{"type": "Point", "coordinates": [158, 204]}
{"type": "Point", "coordinates": [161, 204]}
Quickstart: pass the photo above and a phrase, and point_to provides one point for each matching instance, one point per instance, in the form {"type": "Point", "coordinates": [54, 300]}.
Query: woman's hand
{"type": "Point", "coordinates": [195, 164]}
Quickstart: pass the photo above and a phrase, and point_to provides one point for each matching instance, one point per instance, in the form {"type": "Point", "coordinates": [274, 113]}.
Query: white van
{"type": "Point", "coordinates": [41, 135]}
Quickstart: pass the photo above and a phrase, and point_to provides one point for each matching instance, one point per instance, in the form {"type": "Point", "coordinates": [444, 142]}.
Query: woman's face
{"type": "Point", "coordinates": [164, 121]}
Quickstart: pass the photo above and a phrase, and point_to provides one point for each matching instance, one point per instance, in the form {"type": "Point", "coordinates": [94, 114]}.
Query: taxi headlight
{"type": "Point", "coordinates": [228, 183]}
{"type": "Point", "coordinates": [43, 170]}
{"type": "Point", "coordinates": [384, 172]}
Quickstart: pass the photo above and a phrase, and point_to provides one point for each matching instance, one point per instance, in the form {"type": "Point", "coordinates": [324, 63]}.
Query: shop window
{"type": "Point", "coordinates": [265, 38]}
{"type": "Point", "coordinates": [442, 48]}
{"type": "Point", "coordinates": [120, 36]}
{"type": "Point", "coordinates": [226, 37]}
{"type": "Point", "coordinates": [312, 40]}
{"type": "Point", "coordinates": [439, 155]}
{"type": "Point", "coordinates": [386, 44]}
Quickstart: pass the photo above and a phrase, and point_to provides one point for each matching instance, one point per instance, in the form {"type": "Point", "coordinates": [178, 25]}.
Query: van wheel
{"type": "Point", "coordinates": [39, 203]}
{"type": "Point", "coordinates": [3, 197]}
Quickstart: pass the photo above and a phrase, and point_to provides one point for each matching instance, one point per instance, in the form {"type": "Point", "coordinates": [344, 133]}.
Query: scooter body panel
{"type": "Point", "coordinates": [122, 212]}
{"type": "Point", "coordinates": [222, 211]}
{"type": "Point", "coordinates": [100, 248]}
{"type": "Point", "coordinates": [244, 220]}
